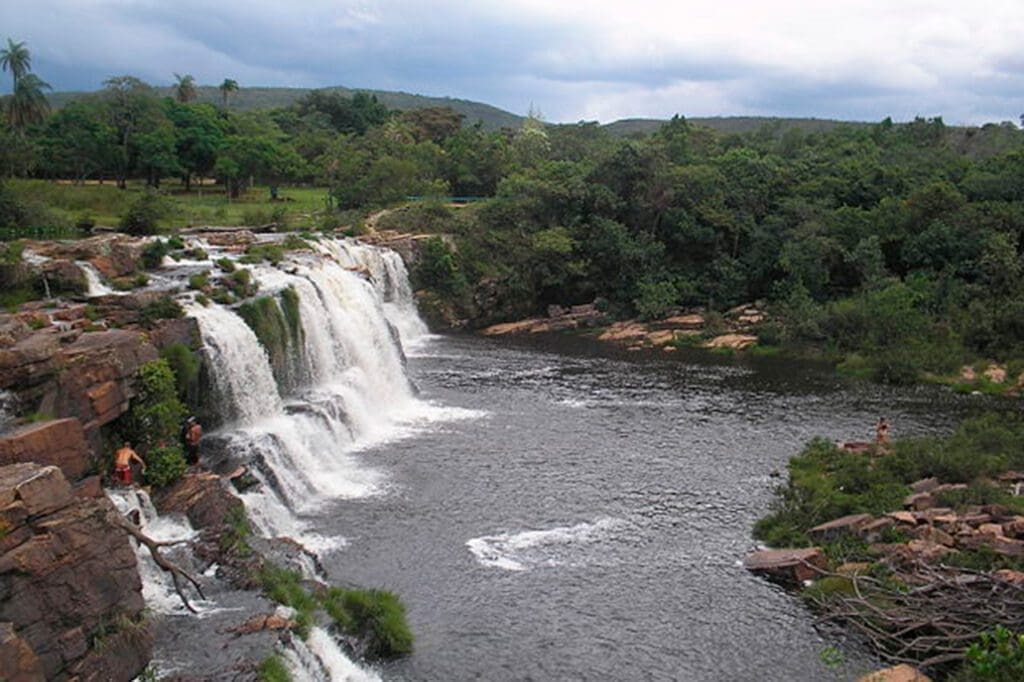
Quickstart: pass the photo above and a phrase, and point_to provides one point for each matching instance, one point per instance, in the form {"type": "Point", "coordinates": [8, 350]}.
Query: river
{"type": "Point", "coordinates": [590, 521]}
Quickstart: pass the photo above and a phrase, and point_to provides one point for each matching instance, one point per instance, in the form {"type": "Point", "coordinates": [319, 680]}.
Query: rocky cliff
{"type": "Point", "coordinates": [71, 603]}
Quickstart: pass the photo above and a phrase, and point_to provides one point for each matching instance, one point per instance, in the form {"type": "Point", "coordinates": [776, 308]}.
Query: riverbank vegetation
{"type": "Point", "coordinates": [923, 579]}
{"type": "Point", "coordinates": [894, 249]}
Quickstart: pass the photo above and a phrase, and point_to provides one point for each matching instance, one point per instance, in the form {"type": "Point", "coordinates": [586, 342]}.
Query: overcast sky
{"type": "Point", "coordinates": [572, 60]}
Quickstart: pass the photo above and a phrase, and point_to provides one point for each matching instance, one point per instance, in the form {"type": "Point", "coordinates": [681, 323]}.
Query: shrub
{"type": "Point", "coordinates": [377, 616]}
{"type": "Point", "coordinates": [273, 253]}
{"type": "Point", "coordinates": [155, 411]}
{"type": "Point", "coordinates": [273, 669]}
{"type": "Point", "coordinates": [153, 254]}
{"type": "Point", "coordinates": [199, 281]}
{"type": "Point", "coordinates": [161, 309]}
{"type": "Point", "coordinates": [164, 465]}
{"type": "Point", "coordinates": [998, 656]}
{"type": "Point", "coordinates": [185, 363]}
{"type": "Point", "coordinates": [438, 269]}
{"type": "Point", "coordinates": [226, 265]}
{"type": "Point", "coordinates": [285, 587]}
{"type": "Point", "coordinates": [144, 214]}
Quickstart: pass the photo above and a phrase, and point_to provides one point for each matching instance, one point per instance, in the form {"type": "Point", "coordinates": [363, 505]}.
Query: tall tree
{"type": "Point", "coordinates": [226, 88]}
{"type": "Point", "coordinates": [16, 58]}
{"type": "Point", "coordinates": [184, 88]}
{"type": "Point", "coordinates": [28, 104]}
{"type": "Point", "coordinates": [127, 100]}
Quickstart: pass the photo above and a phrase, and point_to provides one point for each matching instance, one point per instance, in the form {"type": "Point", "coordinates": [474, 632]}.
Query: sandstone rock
{"type": "Point", "coordinates": [948, 488]}
{"type": "Point", "coordinates": [30, 360]}
{"type": "Point", "coordinates": [512, 327]}
{"type": "Point", "coordinates": [1011, 476]}
{"type": "Point", "coordinates": [184, 331]}
{"type": "Point", "coordinates": [919, 501]}
{"type": "Point", "coordinates": [873, 530]}
{"type": "Point", "coordinates": [733, 341]}
{"type": "Point", "coordinates": [837, 528]}
{"type": "Point", "coordinates": [854, 568]}
{"type": "Point", "coordinates": [18, 663]}
{"type": "Point", "coordinates": [998, 512]}
{"type": "Point", "coordinates": [934, 535]}
{"type": "Point", "coordinates": [903, 517]}
{"type": "Point", "coordinates": [627, 331]}
{"type": "Point", "coordinates": [203, 498]}
{"type": "Point", "coordinates": [89, 487]}
{"type": "Point", "coordinates": [1014, 528]}
{"type": "Point", "coordinates": [59, 443]}
{"type": "Point", "coordinates": [928, 551]}
{"type": "Point", "coordinates": [899, 673]}
{"type": "Point", "coordinates": [975, 519]}
{"type": "Point", "coordinates": [64, 277]}
{"type": "Point", "coordinates": [1010, 576]}
{"type": "Point", "coordinates": [586, 309]}
{"type": "Point", "coordinates": [661, 338]}
{"type": "Point", "coordinates": [261, 622]}
{"type": "Point", "coordinates": [787, 565]}
{"type": "Point", "coordinates": [1007, 547]}
{"type": "Point", "coordinates": [556, 311]}
{"type": "Point", "coordinates": [691, 322]}
{"type": "Point", "coordinates": [70, 580]}
{"type": "Point", "coordinates": [925, 485]}
{"type": "Point", "coordinates": [995, 374]}
{"type": "Point", "coordinates": [968, 374]}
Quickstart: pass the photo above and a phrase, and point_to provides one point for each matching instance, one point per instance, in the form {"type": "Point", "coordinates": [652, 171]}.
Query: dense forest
{"type": "Point", "coordinates": [895, 248]}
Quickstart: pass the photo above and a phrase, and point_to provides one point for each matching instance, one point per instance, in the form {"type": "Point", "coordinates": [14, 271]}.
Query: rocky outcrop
{"type": "Point", "coordinates": [899, 673]}
{"type": "Point", "coordinates": [203, 497]}
{"type": "Point", "coordinates": [60, 443]}
{"type": "Point", "coordinates": [113, 255]}
{"type": "Point", "coordinates": [71, 603]}
{"type": "Point", "coordinates": [791, 566]}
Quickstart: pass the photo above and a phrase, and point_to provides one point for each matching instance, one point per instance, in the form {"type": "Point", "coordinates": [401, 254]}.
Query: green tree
{"type": "Point", "coordinates": [27, 105]}
{"type": "Point", "coordinates": [229, 86]}
{"type": "Point", "coordinates": [128, 101]}
{"type": "Point", "coordinates": [17, 59]}
{"type": "Point", "coordinates": [184, 88]}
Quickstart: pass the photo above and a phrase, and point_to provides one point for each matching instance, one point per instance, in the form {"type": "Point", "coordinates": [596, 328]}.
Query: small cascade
{"type": "Point", "coordinates": [320, 659]}
{"type": "Point", "coordinates": [93, 279]}
{"type": "Point", "coordinates": [8, 410]}
{"type": "Point", "coordinates": [157, 586]}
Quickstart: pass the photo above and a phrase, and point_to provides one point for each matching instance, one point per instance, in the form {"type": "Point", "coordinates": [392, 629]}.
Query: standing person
{"type": "Point", "coordinates": [193, 433]}
{"type": "Point", "coordinates": [882, 432]}
{"type": "Point", "coordinates": [123, 463]}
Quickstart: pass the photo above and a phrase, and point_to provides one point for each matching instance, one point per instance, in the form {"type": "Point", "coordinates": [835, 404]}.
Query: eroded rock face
{"type": "Point", "coordinates": [69, 583]}
{"type": "Point", "coordinates": [60, 443]}
{"type": "Point", "coordinates": [203, 498]}
{"type": "Point", "coordinates": [787, 565]}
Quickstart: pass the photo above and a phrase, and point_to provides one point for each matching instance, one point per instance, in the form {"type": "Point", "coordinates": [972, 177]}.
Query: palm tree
{"type": "Point", "coordinates": [28, 104]}
{"type": "Point", "coordinates": [226, 88]}
{"type": "Point", "coordinates": [17, 58]}
{"type": "Point", "coordinates": [185, 89]}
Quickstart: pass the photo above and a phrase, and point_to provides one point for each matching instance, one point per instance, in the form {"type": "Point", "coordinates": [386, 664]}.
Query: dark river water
{"type": "Point", "coordinates": [591, 524]}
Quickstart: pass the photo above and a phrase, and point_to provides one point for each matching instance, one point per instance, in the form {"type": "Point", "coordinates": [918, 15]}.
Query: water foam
{"type": "Point", "coordinates": [532, 548]}
{"type": "Point", "coordinates": [320, 659]}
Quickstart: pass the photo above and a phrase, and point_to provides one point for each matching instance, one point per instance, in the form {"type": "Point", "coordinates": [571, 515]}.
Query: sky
{"type": "Point", "coordinates": [568, 60]}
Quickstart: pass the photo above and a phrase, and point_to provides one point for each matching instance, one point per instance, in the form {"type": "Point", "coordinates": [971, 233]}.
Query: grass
{"type": "Point", "coordinates": [204, 205]}
{"type": "Point", "coordinates": [374, 615]}
{"type": "Point", "coordinates": [273, 669]}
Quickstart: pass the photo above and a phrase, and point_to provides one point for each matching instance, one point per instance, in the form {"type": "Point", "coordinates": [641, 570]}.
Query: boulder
{"type": "Point", "coordinates": [69, 578]}
{"type": "Point", "coordinates": [995, 374]}
{"type": "Point", "coordinates": [991, 529]}
{"type": "Point", "coordinates": [691, 322]}
{"type": "Point", "coordinates": [903, 517]}
{"type": "Point", "coordinates": [661, 338]}
{"type": "Point", "coordinates": [873, 530]}
{"type": "Point", "coordinates": [624, 332]}
{"type": "Point", "coordinates": [899, 673]}
{"type": "Point", "coordinates": [837, 528]}
{"type": "Point", "coordinates": [31, 360]}
{"type": "Point", "coordinates": [919, 501]}
{"type": "Point", "coordinates": [925, 485]}
{"type": "Point", "coordinates": [787, 565]}
{"type": "Point", "coordinates": [934, 535]}
{"type": "Point", "coordinates": [203, 498]}
{"type": "Point", "coordinates": [1014, 528]}
{"type": "Point", "coordinates": [1010, 576]}
{"type": "Point", "coordinates": [262, 622]}
{"type": "Point", "coordinates": [968, 374]}
{"type": "Point", "coordinates": [731, 341]}
{"type": "Point", "coordinates": [59, 443]}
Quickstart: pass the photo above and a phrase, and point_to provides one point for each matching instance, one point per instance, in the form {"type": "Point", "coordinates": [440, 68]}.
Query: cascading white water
{"type": "Point", "coordinates": [93, 280]}
{"type": "Point", "coordinates": [319, 659]}
{"type": "Point", "coordinates": [354, 391]}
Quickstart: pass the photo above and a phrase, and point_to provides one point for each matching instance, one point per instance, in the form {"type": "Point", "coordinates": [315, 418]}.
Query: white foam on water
{"type": "Point", "coordinates": [320, 659]}
{"type": "Point", "coordinates": [528, 549]}
{"type": "Point", "coordinates": [157, 585]}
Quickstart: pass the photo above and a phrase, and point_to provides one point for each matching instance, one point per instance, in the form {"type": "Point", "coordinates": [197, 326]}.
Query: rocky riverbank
{"type": "Point", "coordinates": [924, 570]}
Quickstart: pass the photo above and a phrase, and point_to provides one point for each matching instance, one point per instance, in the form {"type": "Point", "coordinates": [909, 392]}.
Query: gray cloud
{"type": "Point", "coordinates": [599, 59]}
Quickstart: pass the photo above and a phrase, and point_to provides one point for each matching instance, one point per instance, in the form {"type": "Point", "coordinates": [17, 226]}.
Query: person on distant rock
{"type": "Point", "coordinates": [882, 432]}
{"type": "Point", "coordinates": [193, 433]}
{"type": "Point", "coordinates": [123, 463]}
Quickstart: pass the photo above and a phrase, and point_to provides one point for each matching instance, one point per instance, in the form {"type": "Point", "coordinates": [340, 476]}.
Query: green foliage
{"type": "Point", "coordinates": [376, 616]}
{"type": "Point", "coordinates": [144, 214]}
{"type": "Point", "coordinates": [153, 253]}
{"type": "Point", "coordinates": [155, 412]}
{"type": "Point", "coordinates": [161, 309]}
{"type": "Point", "coordinates": [438, 269]}
{"type": "Point", "coordinates": [199, 281]}
{"type": "Point", "coordinates": [226, 265]}
{"type": "Point", "coordinates": [285, 587]}
{"type": "Point", "coordinates": [290, 307]}
{"type": "Point", "coordinates": [273, 669]}
{"type": "Point", "coordinates": [998, 656]}
{"type": "Point", "coordinates": [826, 482]}
{"type": "Point", "coordinates": [185, 364]}
{"type": "Point", "coordinates": [241, 283]}
{"type": "Point", "coordinates": [164, 465]}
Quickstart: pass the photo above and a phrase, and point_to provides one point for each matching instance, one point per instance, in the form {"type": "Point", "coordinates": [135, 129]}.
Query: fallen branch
{"type": "Point", "coordinates": [177, 572]}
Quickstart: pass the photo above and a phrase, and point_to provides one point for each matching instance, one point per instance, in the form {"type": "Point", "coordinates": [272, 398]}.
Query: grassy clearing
{"type": "Point", "coordinates": [298, 207]}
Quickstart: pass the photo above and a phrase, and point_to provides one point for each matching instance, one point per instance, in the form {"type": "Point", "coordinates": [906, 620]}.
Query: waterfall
{"type": "Point", "coordinates": [319, 659]}
{"type": "Point", "coordinates": [93, 280]}
{"type": "Point", "coordinates": [299, 404]}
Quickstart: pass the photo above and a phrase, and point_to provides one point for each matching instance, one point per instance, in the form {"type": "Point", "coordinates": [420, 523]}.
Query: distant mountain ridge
{"type": "Point", "coordinates": [491, 117]}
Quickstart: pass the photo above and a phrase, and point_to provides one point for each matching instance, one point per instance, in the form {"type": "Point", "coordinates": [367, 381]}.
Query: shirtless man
{"type": "Point", "coordinates": [882, 431]}
{"type": "Point", "coordinates": [123, 463]}
{"type": "Point", "coordinates": [193, 432]}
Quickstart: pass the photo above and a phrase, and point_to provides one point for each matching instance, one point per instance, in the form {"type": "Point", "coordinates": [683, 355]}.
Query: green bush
{"type": "Point", "coordinates": [144, 214]}
{"type": "Point", "coordinates": [998, 657]}
{"type": "Point", "coordinates": [199, 281]}
{"type": "Point", "coordinates": [273, 669]}
{"type": "Point", "coordinates": [438, 269]}
{"type": "Point", "coordinates": [164, 465]}
{"type": "Point", "coordinates": [241, 283]}
{"type": "Point", "coordinates": [185, 364]}
{"type": "Point", "coordinates": [156, 411]}
{"type": "Point", "coordinates": [376, 616]}
{"type": "Point", "coordinates": [161, 309]}
{"type": "Point", "coordinates": [285, 587]}
{"type": "Point", "coordinates": [153, 254]}
{"type": "Point", "coordinates": [226, 265]}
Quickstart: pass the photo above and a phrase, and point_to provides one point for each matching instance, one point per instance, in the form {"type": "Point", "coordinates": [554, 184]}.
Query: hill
{"type": "Point", "coordinates": [731, 124]}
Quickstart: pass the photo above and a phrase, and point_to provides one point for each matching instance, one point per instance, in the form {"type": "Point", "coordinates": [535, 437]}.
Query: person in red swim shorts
{"type": "Point", "coordinates": [123, 464]}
